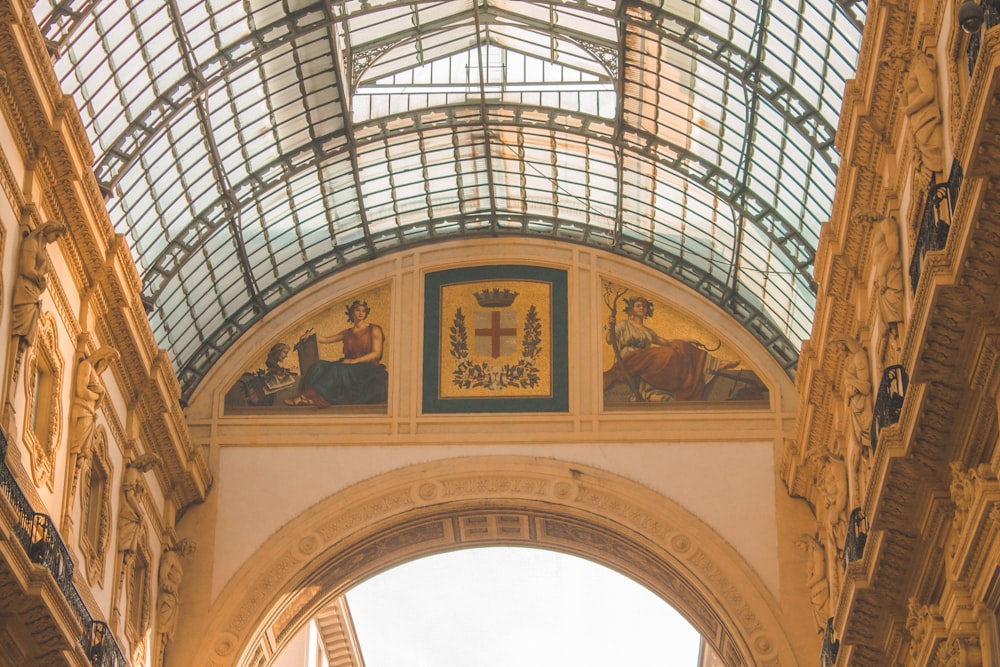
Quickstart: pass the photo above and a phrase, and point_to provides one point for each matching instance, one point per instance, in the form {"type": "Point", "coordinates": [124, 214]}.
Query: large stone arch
{"type": "Point", "coordinates": [478, 501]}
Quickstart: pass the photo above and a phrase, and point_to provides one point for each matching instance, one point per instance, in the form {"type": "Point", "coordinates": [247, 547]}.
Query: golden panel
{"type": "Point", "coordinates": [654, 354]}
{"type": "Point", "coordinates": [333, 359]}
{"type": "Point", "coordinates": [498, 348]}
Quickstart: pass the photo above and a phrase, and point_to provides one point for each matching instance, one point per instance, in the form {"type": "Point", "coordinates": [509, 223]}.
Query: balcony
{"type": "Point", "coordinates": [43, 545]}
{"type": "Point", "coordinates": [991, 17]}
{"type": "Point", "coordinates": [857, 536]}
{"type": "Point", "coordinates": [933, 231]}
{"type": "Point", "coordinates": [888, 401]}
{"type": "Point", "coordinates": [831, 646]}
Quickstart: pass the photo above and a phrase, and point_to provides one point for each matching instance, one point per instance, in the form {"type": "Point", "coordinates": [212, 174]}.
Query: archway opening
{"type": "Point", "coordinates": [497, 606]}
{"type": "Point", "coordinates": [442, 506]}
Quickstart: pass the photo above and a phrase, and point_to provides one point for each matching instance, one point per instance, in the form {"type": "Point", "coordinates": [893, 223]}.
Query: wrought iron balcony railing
{"type": "Point", "coordinates": [991, 17]}
{"type": "Point", "coordinates": [10, 489]}
{"type": "Point", "coordinates": [831, 646]}
{"type": "Point", "coordinates": [888, 401]}
{"type": "Point", "coordinates": [857, 536]}
{"type": "Point", "coordinates": [103, 650]}
{"type": "Point", "coordinates": [41, 541]}
{"type": "Point", "coordinates": [934, 227]}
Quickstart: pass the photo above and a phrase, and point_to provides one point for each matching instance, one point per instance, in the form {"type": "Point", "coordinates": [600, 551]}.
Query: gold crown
{"type": "Point", "coordinates": [495, 298]}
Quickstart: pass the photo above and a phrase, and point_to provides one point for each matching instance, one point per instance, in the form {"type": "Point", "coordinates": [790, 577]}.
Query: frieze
{"type": "Point", "coordinates": [606, 504]}
{"type": "Point", "coordinates": [40, 56]}
{"type": "Point", "coordinates": [11, 109]}
{"type": "Point", "coordinates": [365, 513]}
{"type": "Point", "coordinates": [475, 486]}
{"type": "Point", "coordinates": [258, 595]}
{"type": "Point", "coordinates": [713, 574]}
{"type": "Point", "coordinates": [32, 122]}
{"type": "Point", "coordinates": [67, 112]}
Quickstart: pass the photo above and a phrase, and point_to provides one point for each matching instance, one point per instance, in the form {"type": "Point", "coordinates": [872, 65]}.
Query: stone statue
{"type": "Point", "coordinates": [816, 580]}
{"type": "Point", "coordinates": [130, 512]}
{"type": "Point", "coordinates": [168, 600]}
{"type": "Point", "coordinates": [919, 619]}
{"type": "Point", "coordinates": [888, 286]}
{"type": "Point", "coordinates": [858, 399]}
{"type": "Point", "coordinates": [33, 267]}
{"type": "Point", "coordinates": [921, 106]}
{"type": "Point", "coordinates": [962, 494]}
{"type": "Point", "coordinates": [832, 514]}
{"type": "Point", "coordinates": [89, 392]}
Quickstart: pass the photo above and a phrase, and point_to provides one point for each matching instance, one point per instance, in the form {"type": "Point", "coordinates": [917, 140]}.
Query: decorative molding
{"type": "Point", "coordinates": [139, 599]}
{"type": "Point", "coordinates": [97, 508]}
{"type": "Point", "coordinates": [43, 443]}
{"type": "Point", "coordinates": [49, 135]}
{"type": "Point", "coordinates": [959, 652]}
{"type": "Point", "coordinates": [440, 506]}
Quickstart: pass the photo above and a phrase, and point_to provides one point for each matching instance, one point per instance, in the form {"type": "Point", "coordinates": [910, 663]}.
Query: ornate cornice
{"type": "Point", "coordinates": [42, 443]}
{"type": "Point", "coordinates": [53, 142]}
{"type": "Point", "coordinates": [95, 552]}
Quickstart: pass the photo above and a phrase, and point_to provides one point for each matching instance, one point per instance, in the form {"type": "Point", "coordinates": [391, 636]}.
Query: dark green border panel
{"type": "Point", "coordinates": [433, 282]}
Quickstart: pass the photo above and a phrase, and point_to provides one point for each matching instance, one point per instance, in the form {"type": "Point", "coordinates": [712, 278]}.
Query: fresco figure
{"type": "Point", "coordinates": [657, 368]}
{"type": "Point", "coordinates": [359, 377]}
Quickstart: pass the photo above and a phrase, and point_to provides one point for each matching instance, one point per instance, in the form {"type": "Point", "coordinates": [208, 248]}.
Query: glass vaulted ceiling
{"type": "Point", "coordinates": [251, 147]}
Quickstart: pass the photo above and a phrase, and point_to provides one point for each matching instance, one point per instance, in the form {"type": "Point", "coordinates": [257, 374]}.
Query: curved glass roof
{"type": "Point", "coordinates": [248, 148]}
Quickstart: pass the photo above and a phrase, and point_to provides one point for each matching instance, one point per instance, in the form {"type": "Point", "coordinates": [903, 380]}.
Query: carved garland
{"type": "Point", "coordinates": [41, 431]}
{"type": "Point", "coordinates": [94, 539]}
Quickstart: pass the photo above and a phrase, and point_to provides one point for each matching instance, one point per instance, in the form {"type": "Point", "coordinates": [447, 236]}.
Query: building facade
{"type": "Point", "coordinates": [208, 501]}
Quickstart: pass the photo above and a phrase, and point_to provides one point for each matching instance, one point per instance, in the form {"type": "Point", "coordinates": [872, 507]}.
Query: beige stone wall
{"type": "Point", "coordinates": [90, 301]}
{"type": "Point", "coordinates": [719, 463]}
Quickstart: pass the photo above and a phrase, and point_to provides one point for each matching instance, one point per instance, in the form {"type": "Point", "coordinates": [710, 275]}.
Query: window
{"type": "Point", "coordinates": [139, 600]}
{"type": "Point", "coordinates": [42, 388]}
{"type": "Point", "coordinates": [95, 510]}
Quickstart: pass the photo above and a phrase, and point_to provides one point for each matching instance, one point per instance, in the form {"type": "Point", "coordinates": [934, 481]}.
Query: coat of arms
{"type": "Point", "coordinates": [495, 335]}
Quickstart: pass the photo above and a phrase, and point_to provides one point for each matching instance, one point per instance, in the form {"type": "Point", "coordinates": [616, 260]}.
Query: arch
{"type": "Point", "coordinates": [498, 500]}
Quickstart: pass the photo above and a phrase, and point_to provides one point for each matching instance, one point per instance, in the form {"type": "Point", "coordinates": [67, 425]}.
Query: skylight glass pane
{"type": "Point", "coordinates": [727, 114]}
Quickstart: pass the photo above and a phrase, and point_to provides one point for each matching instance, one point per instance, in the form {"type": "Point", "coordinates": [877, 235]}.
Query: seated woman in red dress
{"type": "Point", "coordinates": [358, 378]}
{"type": "Point", "coordinates": [662, 369]}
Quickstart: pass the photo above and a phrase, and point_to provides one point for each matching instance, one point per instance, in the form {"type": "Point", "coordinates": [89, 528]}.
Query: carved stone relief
{"type": "Point", "coordinates": [168, 599]}
{"type": "Point", "coordinates": [95, 509]}
{"type": "Point", "coordinates": [816, 579]}
{"type": "Point", "coordinates": [43, 402]}
{"type": "Point", "coordinates": [88, 394]}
